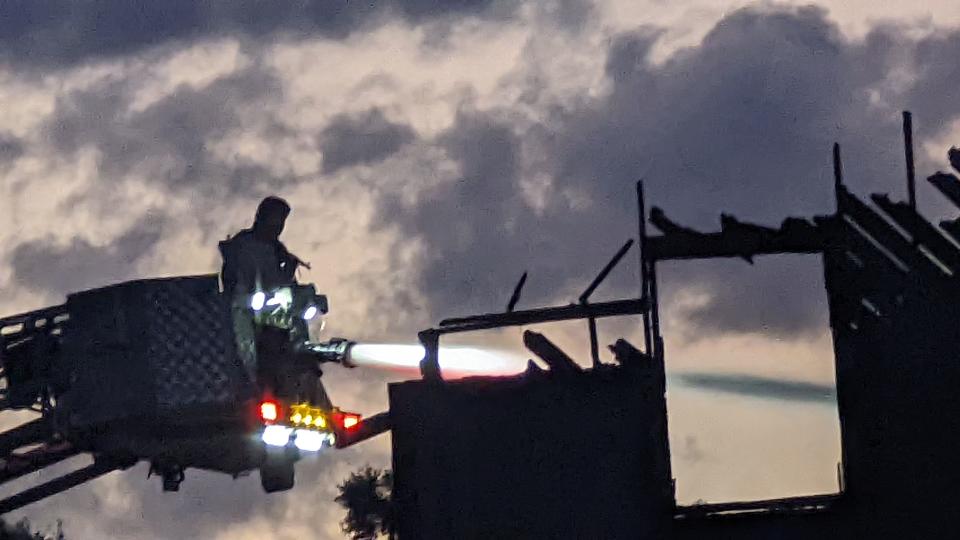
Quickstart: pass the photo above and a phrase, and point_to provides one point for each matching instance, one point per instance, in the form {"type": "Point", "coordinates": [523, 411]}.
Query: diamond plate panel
{"type": "Point", "coordinates": [191, 347]}
{"type": "Point", "coordinates": [149, 347]}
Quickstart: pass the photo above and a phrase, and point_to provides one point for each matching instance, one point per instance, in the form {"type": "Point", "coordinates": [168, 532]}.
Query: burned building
{"type": "Point", "coordinates": [583, 453]}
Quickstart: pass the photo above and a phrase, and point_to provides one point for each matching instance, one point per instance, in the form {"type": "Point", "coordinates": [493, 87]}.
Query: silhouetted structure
{"type": "Point", "coordinates": [531, 457]}
{"type": "Point", "coordinates": [150, 370]}
{"type": "Point", "coordinates": [584, 454]}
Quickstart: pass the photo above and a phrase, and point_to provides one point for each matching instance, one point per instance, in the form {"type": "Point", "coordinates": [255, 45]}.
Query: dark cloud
{"type": "Point", "coordinates": [779, 296]}
{"type": "Point", "coordinates": [10, 148]}
{"type": "Point", "coordinates": [741, 123]}
{"type": "Point", "coordinates": [761, 387]}
{"type": "Point", "coordinates": [935, 60]}
{"type": "Point", "coordinates": [361, 139]}
{"type": "Point", "coordinates": [568, 14]}
{"type": "Point", "coordinates": [481, 234]}
{"type": "Point", "coordinates": [167, 142]}
{"type": "Point", "coordinates": [62, 32]}
{"type": "Point", "coordinates": [49, 267]}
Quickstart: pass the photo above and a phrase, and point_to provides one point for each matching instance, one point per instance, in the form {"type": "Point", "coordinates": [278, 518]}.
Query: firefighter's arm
{"type": "Point", "coordinates": [228, 269]}
{"type": "Point", "coordinates": [290, 262]}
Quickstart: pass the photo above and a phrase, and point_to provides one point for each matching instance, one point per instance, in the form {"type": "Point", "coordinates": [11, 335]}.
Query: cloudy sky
{"type": "Point", "coordinates": [433, 151]}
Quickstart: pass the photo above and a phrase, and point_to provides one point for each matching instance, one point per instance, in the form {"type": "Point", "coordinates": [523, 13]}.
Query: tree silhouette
{"type": "Point", "coordinates": [366, 495]}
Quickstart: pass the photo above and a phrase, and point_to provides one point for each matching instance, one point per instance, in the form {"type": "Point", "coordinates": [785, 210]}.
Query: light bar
{"type": "Point", "coordinates": [257, 300]}
{"type": "Point", "coordinates": [276, 435]}
{"type": "Point", "coordinates": [307, 416]}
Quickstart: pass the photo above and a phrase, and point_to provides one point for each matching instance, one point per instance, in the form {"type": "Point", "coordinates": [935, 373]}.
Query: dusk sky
{"type": "Point", "coordinates": [433, 151]}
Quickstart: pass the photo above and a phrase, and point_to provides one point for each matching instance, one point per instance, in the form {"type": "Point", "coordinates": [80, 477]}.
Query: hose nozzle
{"type": "Point", "coordinates": [335, 350]}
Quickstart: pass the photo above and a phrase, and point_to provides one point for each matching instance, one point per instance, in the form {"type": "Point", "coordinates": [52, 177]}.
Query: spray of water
{"type": "Point", "coordinates": [456, 361]}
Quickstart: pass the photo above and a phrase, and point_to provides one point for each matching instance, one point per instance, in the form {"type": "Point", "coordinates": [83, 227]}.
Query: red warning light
{"type": "Point", "coordinates": [346, 420]}
{"type": "Point", "coordinates": [269, 411]}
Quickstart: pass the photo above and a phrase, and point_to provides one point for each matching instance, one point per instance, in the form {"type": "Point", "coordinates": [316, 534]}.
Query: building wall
{"type": "Point", "coordinates": [587, 456]}
{"type": "Point", "coordinates": [533, 457]}
{"type": "Point", "coordinates": [898, 378]}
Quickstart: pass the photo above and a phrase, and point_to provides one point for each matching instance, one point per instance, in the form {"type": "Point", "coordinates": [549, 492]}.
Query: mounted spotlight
{"type": "Point", "coordinates": [317, 305]}
{"type": "Point", "coordinates": [276, 435]}
{"type": "Point", "coordinates": [309, 441]}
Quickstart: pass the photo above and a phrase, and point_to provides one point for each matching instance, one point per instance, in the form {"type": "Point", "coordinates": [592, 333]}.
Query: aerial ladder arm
{"type": "Point", "coordinates": [63, 483]}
